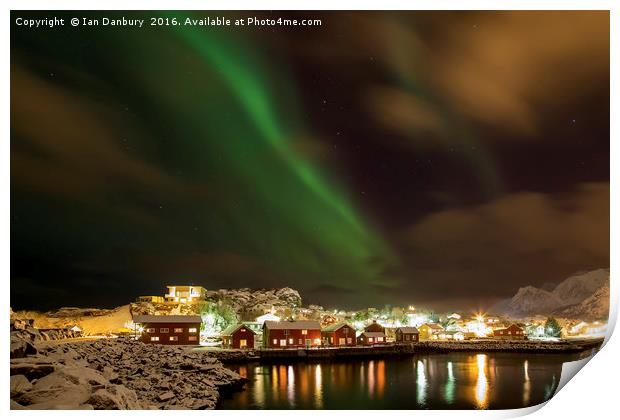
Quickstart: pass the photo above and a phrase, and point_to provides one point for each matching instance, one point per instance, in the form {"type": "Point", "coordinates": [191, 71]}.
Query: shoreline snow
{"type": "Point", "coordinates": [118, 374]}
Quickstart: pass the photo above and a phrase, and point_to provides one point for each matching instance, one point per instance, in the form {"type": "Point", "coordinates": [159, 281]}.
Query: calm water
{"type": "Point", "coordinates": [439, 381]}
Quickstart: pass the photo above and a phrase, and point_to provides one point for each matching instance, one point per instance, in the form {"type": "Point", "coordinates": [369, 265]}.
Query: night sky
{"type": "Point", "coordinates": [442, 159]}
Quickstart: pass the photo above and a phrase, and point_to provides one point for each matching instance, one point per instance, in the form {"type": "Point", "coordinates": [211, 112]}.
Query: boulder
{"type": "Point", "coordinates": [16, 406]}
{"type": "Point", "coordinates": [165, 396]}
{"type": "Point", "coordinates": [34, 333]}
{"type": "Point", "coordinates": [63, 394]}
{"type": "Point", "coordinates": [32, 370]}
{"type": "Point", "coordinates": [114, 397]}
{"type": "Point", "coordinates": [74, 375]}
{"type": "Point", "coordinates": [203, 404]}
{"type": "Point", "coordinates": [21, 347]}
{"type": "Point", "coordinates": [53, 405]}
{"type": "Point", "coordinates": [19, 385]}
{"type": "Point", "coordinates": [110, 374]}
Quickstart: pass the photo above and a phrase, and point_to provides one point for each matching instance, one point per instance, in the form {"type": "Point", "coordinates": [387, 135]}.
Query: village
{"type": "Point", "coordinates": [140, 355]}
{"type": "Point", "coordinates": [314, 327]}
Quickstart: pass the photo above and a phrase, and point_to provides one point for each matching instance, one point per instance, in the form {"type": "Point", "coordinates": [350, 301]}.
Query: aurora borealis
{"type": "Point", "coordinates": [380, 158]}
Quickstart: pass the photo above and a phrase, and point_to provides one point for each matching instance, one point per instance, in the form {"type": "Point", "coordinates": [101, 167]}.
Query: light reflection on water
{"type": "Point", "coordinates": [421, 384]}
{"type": "Point", "coordinates": [442, 381]}
{"type": "Point", "coordinates": [318, 387]}
{"type": "Point", "coordinates": [482, 383]}
{"type": "Point", "coordinates": [450, 384]}
{"type": "Point", "coordinates": [526, 384]}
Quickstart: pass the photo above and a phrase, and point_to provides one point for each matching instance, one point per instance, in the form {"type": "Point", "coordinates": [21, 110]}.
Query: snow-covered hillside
{"type": "Point", "coordinates": [256, 300]}
{"type": "Point", "coordinates": [584, 296]}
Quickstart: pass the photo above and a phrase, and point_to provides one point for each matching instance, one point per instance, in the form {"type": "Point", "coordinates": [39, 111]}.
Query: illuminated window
{"type": "Point", "coordinates": [283, 343]}
{"type": "Point", "coordinates": [178, 330]}
{"type": "Point", "coordinates": [154, 338]}
{"type": "Point", "coordinates": [370, 340]}
{"type": "Point", "coordinates": [379, 338]}
{"type": "Point", "coordinates": [341, 341]}
{"type": "Point", "coordinates": [150, 330]}
{"type": "Point", "coordinates": [317, 341]}
{"type": "Point", "coordinates": [300, 341]}
{"type": "Point", "coordinates": [192, 338]}
{"type": "Point", "coordinates": [275, 341]}
{"type": "Point", "coordinates": [242, 329]}
{"type": "Point", "coordinates": [290, 341]}
{"type": "Point", "coordinates": [193, 330]}
{"type": "Point", "coordinates": [174, 338]}
{"type": "Point", "coordinates": [164, 330]}
{"type": "Point", "coordinates": [304, 332]}
{"type": "Point", "coordinates": [349, 340]}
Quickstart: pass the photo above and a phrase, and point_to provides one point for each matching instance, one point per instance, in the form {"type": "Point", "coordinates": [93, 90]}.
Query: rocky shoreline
{"type": "Point", "coordinates": [126, 374]}
{"type": "Point", "coordinates": [521, 346]}
{"type": "Point", "coordinates": [117, 374]}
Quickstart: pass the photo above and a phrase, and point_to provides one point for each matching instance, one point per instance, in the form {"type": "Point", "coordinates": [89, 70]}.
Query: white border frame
{"type": "Point", "coordinates": [592, 395]}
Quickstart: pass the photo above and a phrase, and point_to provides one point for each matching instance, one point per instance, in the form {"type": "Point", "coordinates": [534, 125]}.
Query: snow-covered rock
{"type": "Point", "coordinates": [241, 301]}
{"type": "Point", "coordinates": [114, 397]}
{"type": "Point", "coordinates": [21, 347]}
{"type": "Point", "coordinates": [119, 374]}
{"type": "Point", "coordinates": [530, 299]}
{"type": "Point", "coordinates": [19, 385]}
{"type": "Point", "coordinates": [594, 307]}
{"type": "Point", "coordinates": [584, 296]}
{"type": "Point", "coordinates": [576, 289]}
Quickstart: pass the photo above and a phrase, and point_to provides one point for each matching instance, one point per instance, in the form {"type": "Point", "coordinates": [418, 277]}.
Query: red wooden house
{"type": "Point", "coordinates": [291, 334]}
{"type": "Point", "coordinates": [407, 335]}
{"type": "Point", "coordinates": [371, 338]}
{"type": "Point", "coordinates": [168, 329]}
{"type": "Point", "coordinates": [339, 334]}
{"type": "Point", "coordinates": [513, 332]}
{"type": "Point", "coordinates": [375, 327]}
{"type": "Point", "coordinates": [238, 336]}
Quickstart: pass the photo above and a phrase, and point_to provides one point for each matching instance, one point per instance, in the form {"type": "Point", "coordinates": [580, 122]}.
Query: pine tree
{"type": "Point", "coordinates": [552, 328]}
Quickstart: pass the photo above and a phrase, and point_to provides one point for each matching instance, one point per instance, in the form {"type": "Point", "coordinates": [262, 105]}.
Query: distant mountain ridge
{"type": "Point", "coordinates": [583, 295]}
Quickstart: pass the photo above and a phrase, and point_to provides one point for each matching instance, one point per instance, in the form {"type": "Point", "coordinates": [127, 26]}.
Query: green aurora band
{"type": "Point", "coordinates": [284, 210]}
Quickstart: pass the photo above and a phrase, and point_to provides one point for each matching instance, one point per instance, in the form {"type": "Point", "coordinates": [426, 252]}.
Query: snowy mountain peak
{"type": "Point", "coordinates": [583, 295]}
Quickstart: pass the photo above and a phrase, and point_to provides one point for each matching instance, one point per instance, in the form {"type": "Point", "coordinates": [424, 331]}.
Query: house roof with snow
{"type": "Point", "coordinates": [168, 319]}
{"type": "Point", "coordinates": [231, 329]}
{"type": "Point", "coordinates": [408, 330]}
{"type": "Point", "coordinates": [267, 317]}
{"type": "Point", "coordinates": [293, 325]}
{"type": "Point", "coordinates": [372, 334]}
{"type": "Point", "coordinates": [336, 327]}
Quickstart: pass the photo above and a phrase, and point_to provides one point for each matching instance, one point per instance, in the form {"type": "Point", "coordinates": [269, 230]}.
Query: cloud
{"type": "Point", "coordinates": [523, 238]}
{"type": "Point", "coordinates": [68, 146]}
{"type": "Point", "coordinates": [506, 70]}
{"type": "Point", "coordinates": [404, 113]}
{"type": "Point", "coordinates": [503, 68]}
